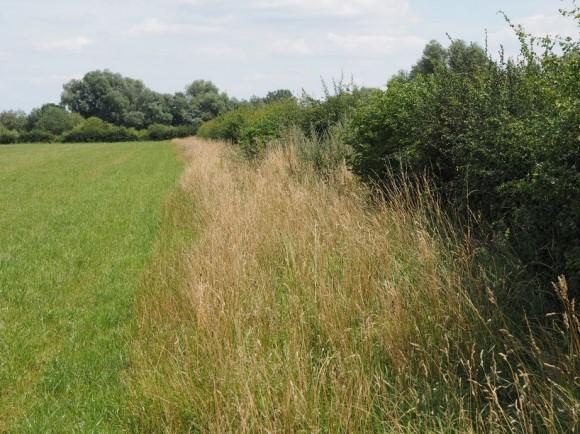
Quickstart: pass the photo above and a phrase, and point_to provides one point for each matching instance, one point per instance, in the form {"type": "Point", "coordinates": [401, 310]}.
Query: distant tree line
{"type": "Point", "coordinates": [125, 107]}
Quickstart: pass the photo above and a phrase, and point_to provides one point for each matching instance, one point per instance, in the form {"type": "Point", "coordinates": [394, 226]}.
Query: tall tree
{"type": "Point", "coordinates": [14, 120]}
{"type": "Point", "coordinates": [206, 100]}
{"type": "Point", "coordinates": [434, 55]}
{"type": "Point", "coordinates": [53, 119]}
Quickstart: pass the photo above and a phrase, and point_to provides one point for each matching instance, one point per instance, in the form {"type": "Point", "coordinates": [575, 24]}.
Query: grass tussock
{"type": "Point", "coordinates": [300, 308]}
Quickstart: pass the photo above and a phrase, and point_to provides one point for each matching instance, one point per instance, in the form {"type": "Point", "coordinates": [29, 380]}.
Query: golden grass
{"type": "Point", "coordinates": [300, 308]}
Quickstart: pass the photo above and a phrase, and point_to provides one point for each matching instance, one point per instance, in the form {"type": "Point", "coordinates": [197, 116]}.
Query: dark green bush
{"type": "Point", "coordinates": [7, 136]}
{"type": "Point", "coordinates": [498, 138]}
{"type": "Point", "coordinates": [165, 132]}
{"type": "Point", "coordinates": [159, 132]}
{"type": "Point", "coordinates": [184, 131]}
{"type": "Point", "coordinates": [37, 136]}
{"type": "Point", "coordinates": [96, 130]}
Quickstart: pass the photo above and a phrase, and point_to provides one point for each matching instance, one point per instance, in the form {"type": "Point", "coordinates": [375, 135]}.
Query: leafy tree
{"type": "Point", "coordinates": [116, 99]}
{"type": "Point", "coordinates": [459, 57]}
{"type": "Point", "coordinates": [278, 95]}
{"type": "Point", "coordinates": [466, 58]}
{"type": "Point", "coordinates": [14, 120]}
{"type": "Point", "coordinates": [206, 101]}
{"type": "Point", "coordinates": [434, 56]}
{"type": "Point", "coordinates": [127, 102]}
{"type": "Point", "coordinates": [181, 110]}
{"type": "Point", "coordinates": [201, 87]}
{"type": "Point", "coordinates": [53, 119]}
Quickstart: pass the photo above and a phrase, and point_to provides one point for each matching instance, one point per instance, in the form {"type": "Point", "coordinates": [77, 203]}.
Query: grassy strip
{"type": "Point", "coordinates": [165, 274]}
{"type": "Point", "coordinates": [77, 226]}
{"type": "Point", "coordinates": [300, 309]}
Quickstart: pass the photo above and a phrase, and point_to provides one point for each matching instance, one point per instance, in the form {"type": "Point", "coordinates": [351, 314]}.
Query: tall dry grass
{"type": "Point", "coordinates": [301, 308]}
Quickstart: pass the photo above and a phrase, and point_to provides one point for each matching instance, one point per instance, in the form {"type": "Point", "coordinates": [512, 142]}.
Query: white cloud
{"type": "Point", "coordinates": [374, 44]}
{"type": "Point", "coordinates": [75, 44]}
{"type": "Point", "coordinates": [291, 46]}
{"type": "Point", "coordinates": [347, 8]}
{"type": "Point", "coordinates": [217, 52]}
{"type": "Point", "coordinates": [154, 26]}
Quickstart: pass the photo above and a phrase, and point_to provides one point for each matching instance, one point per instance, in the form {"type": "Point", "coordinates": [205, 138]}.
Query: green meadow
{"type": "Point", "coordinates": [77, 228]}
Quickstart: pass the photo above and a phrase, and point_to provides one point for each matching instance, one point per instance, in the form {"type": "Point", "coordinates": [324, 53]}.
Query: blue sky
{"type": "Point", "coordinates": [246, 47]}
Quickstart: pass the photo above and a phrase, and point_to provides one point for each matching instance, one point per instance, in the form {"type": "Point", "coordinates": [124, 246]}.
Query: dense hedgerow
{"type": "Point", "coordinates": [37, 136]}
{"type": "Point", "coordinates": [97, 130]}
{"type": "Point", "coordinates": [57, 125]}
{"type": "Point", "coordinates": [254, 127]}
{"type": "Point", "coordinates": [500, 140]}
{"type": "Point", "coordinates": [228, 126]}
{"type": "Point", "coordinates": [165, 132]}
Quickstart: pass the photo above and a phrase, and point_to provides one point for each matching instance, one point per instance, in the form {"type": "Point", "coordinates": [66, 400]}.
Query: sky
{"type": "Point", "coordinates": [246, 47]}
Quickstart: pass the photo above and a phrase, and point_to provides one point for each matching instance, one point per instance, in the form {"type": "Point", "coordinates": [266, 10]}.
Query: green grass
{"type": "Point", "coordinates": [77, 227]}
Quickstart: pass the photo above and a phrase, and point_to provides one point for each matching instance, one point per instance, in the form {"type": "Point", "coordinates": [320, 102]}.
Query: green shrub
{"type": "Point", "coordinates": [500, 140]}
{"type": "Point", "coordinates": [320, 116]}
{"type": "Point", "coordinates": [96, 130]}
{"type": "Point", "coordinates": [262, 120]}
{"type": "Point", "coordinates": [252, 127]}
{"type": "Point", "coordinates": [266, 124]}
{"type": "Point", "coordinates": [165, 132]}
{"type": "Point", "coordinates": [7, 136]}
{"type": "Point", "coordinates": [159, 132]}
{"type": "Point", "coordinates": [37, 136]}
{"type": "Point", "coordinates": [228, 126]}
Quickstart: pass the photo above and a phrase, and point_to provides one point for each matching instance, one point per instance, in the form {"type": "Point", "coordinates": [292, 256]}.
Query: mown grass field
{"type": "Point", "coordinates": [77, 228]}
